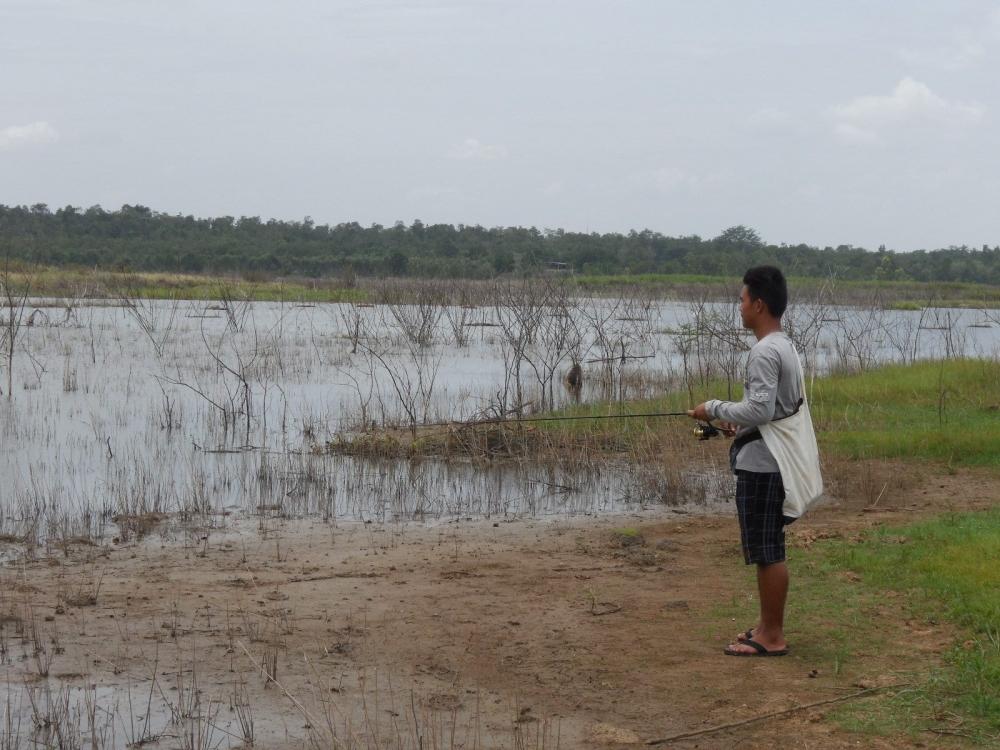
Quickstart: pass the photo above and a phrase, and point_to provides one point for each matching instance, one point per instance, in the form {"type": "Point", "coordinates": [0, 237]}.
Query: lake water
{"type": "Point", "coordinates": [117, 411]}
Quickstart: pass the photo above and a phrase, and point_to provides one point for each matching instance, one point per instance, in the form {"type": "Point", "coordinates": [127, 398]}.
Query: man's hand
{"type": "Point", "coordinates": [699, 413]}
{"type": "Point", "coordinates": [727, 428]}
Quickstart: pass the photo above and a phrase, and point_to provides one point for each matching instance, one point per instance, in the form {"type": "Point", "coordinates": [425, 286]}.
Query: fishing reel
{"type": "Point", "coordinates": [706, 431]}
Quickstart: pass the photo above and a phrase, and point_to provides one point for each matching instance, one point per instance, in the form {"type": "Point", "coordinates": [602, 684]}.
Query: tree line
{"type": "Point", "coordinates": [139, 239]}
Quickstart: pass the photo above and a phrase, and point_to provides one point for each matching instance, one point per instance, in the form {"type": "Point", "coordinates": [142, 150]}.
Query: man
{"type": "Point", "coordinates": [772, 391]}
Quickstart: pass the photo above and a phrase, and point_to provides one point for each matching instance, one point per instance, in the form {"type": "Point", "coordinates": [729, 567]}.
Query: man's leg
{"type": "Point", "coordinates": [759, 502]}
{"type": "Point", "coordinates": [772, 586]}
{"type": "Point", "coordinates": [772, 583]}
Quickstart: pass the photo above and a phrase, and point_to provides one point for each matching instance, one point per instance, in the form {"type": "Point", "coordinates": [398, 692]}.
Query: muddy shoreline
{"type": "Point", "coordinates": [521, 633]}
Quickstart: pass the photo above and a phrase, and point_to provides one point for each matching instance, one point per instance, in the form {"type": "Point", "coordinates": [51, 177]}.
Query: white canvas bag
{"type": "Point", "coordinates": [792, 442]}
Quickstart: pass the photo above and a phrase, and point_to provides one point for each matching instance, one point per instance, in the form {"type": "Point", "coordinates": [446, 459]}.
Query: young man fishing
{"type": "Point", "coordinates": [773, 454]}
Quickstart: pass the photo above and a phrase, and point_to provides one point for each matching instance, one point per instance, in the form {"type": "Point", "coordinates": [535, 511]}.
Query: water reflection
{"type": "Point", "coordinates": [189, 409]}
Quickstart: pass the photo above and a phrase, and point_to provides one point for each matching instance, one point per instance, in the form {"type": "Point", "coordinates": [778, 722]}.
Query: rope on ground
{"type": "Point", "coordinates": [734, 725]}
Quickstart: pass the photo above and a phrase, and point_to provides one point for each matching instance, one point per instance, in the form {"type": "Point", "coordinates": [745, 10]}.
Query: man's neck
{"type": "Point", "coordinates": [766, 327]}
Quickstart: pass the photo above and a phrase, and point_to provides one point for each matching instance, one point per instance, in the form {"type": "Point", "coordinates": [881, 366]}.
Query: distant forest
{"type": "Point", "coordinates": [139, 239]}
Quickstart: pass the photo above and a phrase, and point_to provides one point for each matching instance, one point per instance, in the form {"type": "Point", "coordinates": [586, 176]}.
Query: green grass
{"type": "Point", "coordinates": [947, 569]}
{"type": "Point", "coordinates": [942, 571]}
{"type": "Point", "coordinates": [628, 532]}
{"type": "Point", "coordinates": [645, 279]}
{"type": "Point", "coordinates": [941, 411]}
{"type": "Point", "coordinates": [905, 295]}
{"type": "Point", "coordinates": [850, 600]}
{"type": "Point", "coordinates": [613, 433]}
{"type": "Point", "coordinates": [944, 411]}
{"type": "Point", "coordinates": [902, 295]}
{"type": "Point", "coordinates": [74, 282]}
{"type": "Point", "coordinates": [905, 306]}
{"type": "Point", "coordinates": [270, 291]}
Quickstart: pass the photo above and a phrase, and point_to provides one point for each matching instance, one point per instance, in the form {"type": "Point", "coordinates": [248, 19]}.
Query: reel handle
{"type": "Point", "coordinates": [706, 431]}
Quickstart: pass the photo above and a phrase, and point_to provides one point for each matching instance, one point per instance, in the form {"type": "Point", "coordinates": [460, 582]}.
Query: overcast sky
{"type": "Point", "coordinates": [853, 122]}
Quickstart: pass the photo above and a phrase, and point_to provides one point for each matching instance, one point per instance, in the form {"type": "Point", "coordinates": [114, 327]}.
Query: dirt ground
{"type": "Point", "coordinates": [495, 633]}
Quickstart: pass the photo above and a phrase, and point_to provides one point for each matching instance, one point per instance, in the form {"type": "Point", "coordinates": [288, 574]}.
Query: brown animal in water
{"type": "Point", "coordinates": [574, 378]}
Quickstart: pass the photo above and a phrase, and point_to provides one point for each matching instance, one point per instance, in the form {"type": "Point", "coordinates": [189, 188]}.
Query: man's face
{"type": "Point", "coordinates": [749, 308]}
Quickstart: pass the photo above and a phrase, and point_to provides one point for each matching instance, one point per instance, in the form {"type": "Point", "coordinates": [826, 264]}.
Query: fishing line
{"type": "Point", "coordinates": [702, 431]}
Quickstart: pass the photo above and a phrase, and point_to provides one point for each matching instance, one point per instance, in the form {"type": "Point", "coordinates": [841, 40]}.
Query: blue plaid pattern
{"type": "Point", "coordinates": [759, 498]}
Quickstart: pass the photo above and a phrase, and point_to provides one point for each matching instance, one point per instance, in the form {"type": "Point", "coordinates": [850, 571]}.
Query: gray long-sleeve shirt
{"type": "Point", "coordinates": [772, 390]}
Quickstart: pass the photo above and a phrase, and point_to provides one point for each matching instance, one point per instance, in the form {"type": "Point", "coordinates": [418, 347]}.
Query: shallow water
{"type": "Point", "coordinates": [122, 412]}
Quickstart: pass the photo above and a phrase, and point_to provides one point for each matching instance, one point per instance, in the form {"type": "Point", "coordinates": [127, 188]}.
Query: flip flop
{"type": "Point", "coordinates": [759, 650]}
{"type": "Point", "coordinates": [747, 635]}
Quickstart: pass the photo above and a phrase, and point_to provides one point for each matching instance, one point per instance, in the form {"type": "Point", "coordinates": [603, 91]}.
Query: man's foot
{"type": "Point", "coordinates": [748, 634]}
{"type": "Point", "coordinates": [750, 647]}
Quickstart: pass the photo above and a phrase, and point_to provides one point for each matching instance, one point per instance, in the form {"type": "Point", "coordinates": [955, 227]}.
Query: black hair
{"type": "Point", "coordinates": [768, 283]}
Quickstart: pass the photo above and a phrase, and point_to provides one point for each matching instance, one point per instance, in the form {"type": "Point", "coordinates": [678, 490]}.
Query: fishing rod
{"type": "Point", "coordinates": [702, 431]}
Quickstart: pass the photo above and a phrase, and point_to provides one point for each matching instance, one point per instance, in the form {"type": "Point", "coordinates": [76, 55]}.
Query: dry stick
{"type": "Point", "coordinates": [252, 579]}
{"type": "Point", "coordinates": [735, 724]}
{"type": "Point", "coordinates": [295, 701]}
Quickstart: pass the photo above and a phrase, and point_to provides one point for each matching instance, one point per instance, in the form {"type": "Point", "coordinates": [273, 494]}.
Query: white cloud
{"type": "Point", "coordinates": [993, 25]}
{"type": "Point", "coordinates": [472, 149]}
{"type": "Point", "coordinates": [769, 117]}
{"type": "Point", "coordinates": [668, 179]}
{"type": "Point", "coordinates": [853, 134]}
{"type": "Point", "coordinates": [968, 46]}
{"type": "Point", "coordinates": [959, 56]}
{"type": "Point", "coordinates": [660, 179]}
{"type": "Point", "coordinates": [35, 133]}
{"type": "Point", "coordinates": [676, 181]}
{"type": "Point", "coordinates": [866, 118]}
{"type": "Point", "coordinates": [432, 191]}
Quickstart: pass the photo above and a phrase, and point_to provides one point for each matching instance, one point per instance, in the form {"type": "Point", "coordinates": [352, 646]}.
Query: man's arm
{"type": "Point", "coordinates": [757, 406]}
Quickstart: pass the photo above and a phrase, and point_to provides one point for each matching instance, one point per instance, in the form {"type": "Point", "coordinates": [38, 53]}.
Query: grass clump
{"type": "Point", "coordinates": [946, 411]}
{"type": "Point", "coordinates": [943, 411]}
{"type": "Point", "coordinates": [88, 283]}
{"type": "Point", "coordinates": [901, 295]}
{"type": "Point", "coordinates": [627, 531]}
{"type": "Point", "coordinates": [947, 569]}
{"type": "Point", "coordinates": [861, 606]}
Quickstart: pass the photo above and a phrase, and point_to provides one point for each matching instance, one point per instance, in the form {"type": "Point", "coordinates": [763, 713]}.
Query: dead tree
{"type": "Point", "coordinates": [147, 312]}
{"type": "Point", "coordinates": [416, 310]}
{"type": "Point", "coordinates": [15, 298]}
{"type": "Point", "coordinates": [412, 380]}
{"type": "Point", "coordinates": [355, 323]}
{"type": "Point", "coordinates": [557, 337]}
{"type": "Point", "coordinates": [236, 307]}
{"type": "Point", "coordinates": [804, 321]}
{"type": "Point", "coordinates": [518, 306]}
{"type": "Point", "coordinates": [235, 364]}
{"type": "Point", "coordinates": [861, 336]}
{"type": "Point", "coordinates": [459, 315]}
{"type": "Point", "coordinates": [621, 332]}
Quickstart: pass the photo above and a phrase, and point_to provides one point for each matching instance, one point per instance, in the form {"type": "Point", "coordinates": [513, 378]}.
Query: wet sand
{"type": "Point", "coordinates": [484, 633]}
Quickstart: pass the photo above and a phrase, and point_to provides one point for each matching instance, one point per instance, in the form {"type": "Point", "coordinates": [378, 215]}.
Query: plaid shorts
{"type": "Point", "coordinates": [759, 497]}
